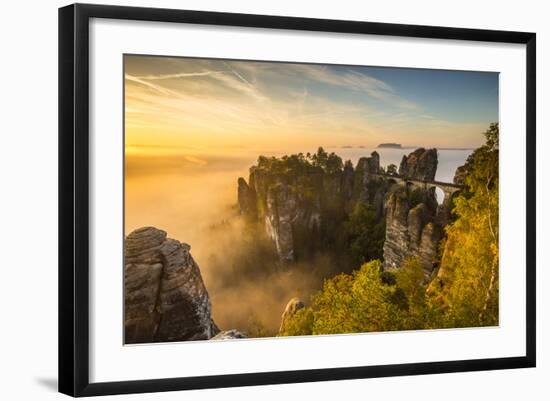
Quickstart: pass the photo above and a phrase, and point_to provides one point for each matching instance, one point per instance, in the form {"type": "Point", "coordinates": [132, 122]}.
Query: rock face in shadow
{"type": "Point", "coordinates": [293, 205]}
{"type": "Point", "coordinates": [286, 204]}
{"type": "Point", "coordinates": [412, 224]}
{"type": "Point", "coordinates": [460, 175]}
{"type": "Point", "coordinates": [165, 297]}
{"type": "Point", "coordinates": [411, 232]}
{"type": "Point", "coordinates": [365, 170]}
{"type": "Point", "coordinates": [247, 199]}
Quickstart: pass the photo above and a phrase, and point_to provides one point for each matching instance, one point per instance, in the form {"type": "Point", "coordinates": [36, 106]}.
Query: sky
{"type": "Point", "coordinates": [197, 106]}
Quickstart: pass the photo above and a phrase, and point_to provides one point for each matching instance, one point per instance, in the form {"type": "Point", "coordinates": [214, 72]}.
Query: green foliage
{"type": "Point", "coordinates": [467, 284]}
{"type": "Point", "coordinates": [288, 164]}
{"type": "Point", "coordinates": [330, 163]}
{"type": "Point", "coordinates": [465, 291]}
{"type": "Point", "coordinates": [354, 303]}
{"type": "Point", "coordinates": [391, 169]}
{"type": "Point", "coordinates": [420, 312]}
{"type": "Point", "coordinates": [369, 300]}
{"type": "Point", "coordinates": [299, 163]}
{"type": "Point", "coordinates": [301, 324]}
{"type": "Point", "coordinates": [365, 235]}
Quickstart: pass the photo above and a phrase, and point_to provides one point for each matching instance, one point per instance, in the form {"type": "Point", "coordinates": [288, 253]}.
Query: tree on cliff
{"type": "Point", "coordinates": [391, 169]}
{"type": "Point", "coordinates": [329, 162]}
{"type": "Point", "coordinates": [369, 300]}
{"type": "Point", "coordinates": [467, 282]}
{"type": "Point", "coordinates": [358, 302]}
{"type": "Point", "coordinates": [465, 290]}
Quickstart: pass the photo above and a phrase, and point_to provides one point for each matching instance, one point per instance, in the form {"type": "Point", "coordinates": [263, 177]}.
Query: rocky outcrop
{"type": "Point", "coordinates": [280, 214]}
{"type": "Point", "coordinates": [284, 204]}
{"type": "Point", "coordinates": [347, 181]}
{"type": "Point", "coordinates": [247, 199]}
{"type": "Point", "coordinates": [292, 203]}
{"type": "Point", "coordinates": [460, 174]}
{"type": "Point", "coordinates": [365, 173]}
{"type": "Point", "coordinates": [420, 164]}
{"type": "Point", "coordinates": [413, 218]}
{"type": "Point", "coordinates": [165, 297]}
{"type": "Point", "coordinates": [293, 306]}
{"type": "Point", "coordinates": [228, 335]}
{"type": "Point", "coordinates": [411, 231]}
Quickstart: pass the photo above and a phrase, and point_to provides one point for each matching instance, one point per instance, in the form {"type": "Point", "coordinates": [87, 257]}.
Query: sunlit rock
{"type": "Point", "coordinates": [165, 297]}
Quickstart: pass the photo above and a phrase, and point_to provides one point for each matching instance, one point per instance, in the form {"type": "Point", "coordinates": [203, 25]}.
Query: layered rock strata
{"type": "Point", "coordinates": [165, 297]}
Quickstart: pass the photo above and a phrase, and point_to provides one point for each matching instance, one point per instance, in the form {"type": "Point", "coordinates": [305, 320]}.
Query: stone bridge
{"type": "Point", "coordinates": [448, 188]}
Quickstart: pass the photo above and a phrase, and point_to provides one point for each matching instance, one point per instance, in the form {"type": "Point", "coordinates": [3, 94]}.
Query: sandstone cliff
{"type": "Point", "coordinates": [165, 297]}
{"type": "Point", "coordinates": [298, 202]}
{"type": "Point", "coordinates": [413, 228]}
{"type": "Point", "coordinates": [411, 231]}
{"type": "Point", "coordinates": [294, 202]}
{"type": "Point", "coordinates": [420, 164]}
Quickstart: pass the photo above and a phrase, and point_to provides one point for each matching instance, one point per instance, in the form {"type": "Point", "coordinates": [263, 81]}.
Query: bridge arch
{"type": "Point", "coordinates": [446, 190]}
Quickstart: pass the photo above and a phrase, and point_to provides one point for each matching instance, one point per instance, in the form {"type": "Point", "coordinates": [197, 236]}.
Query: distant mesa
{"type": "Point", "coordinates": [390, 145]}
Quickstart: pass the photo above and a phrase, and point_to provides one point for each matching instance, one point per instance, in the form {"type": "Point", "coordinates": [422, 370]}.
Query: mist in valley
{"type": "Point", "coordinates": [194, 199]}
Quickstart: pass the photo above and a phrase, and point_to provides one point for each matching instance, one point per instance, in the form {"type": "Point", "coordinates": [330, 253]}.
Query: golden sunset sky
{"type": "Point", "coordinates": [201, 106]}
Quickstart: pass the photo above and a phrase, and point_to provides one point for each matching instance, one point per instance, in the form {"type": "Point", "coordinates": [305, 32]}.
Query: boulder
{"type": "Point", "coordinates": [164, 295]}
{"type": "Point", "coordinates": [229, 335]}
{"type": "Point", "coordinates": [293, 306]}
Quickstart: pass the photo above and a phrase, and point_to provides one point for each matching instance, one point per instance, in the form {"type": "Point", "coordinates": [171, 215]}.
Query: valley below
{"type": "Point", "coordinates": [340, 240]}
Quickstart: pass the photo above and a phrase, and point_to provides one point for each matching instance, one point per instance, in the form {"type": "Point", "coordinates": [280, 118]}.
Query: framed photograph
{"type": "Point", "coordinates": [250, 199]}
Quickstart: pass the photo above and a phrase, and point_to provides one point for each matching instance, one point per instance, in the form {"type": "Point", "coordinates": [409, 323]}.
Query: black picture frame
{"type": "Point", "coordinates": [74, 198]}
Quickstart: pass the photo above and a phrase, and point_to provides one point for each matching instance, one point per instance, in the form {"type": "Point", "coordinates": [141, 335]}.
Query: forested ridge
{"type": "Point", "coordinates": [462, 292]}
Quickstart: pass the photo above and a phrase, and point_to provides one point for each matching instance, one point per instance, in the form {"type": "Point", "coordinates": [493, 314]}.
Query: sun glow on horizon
{"type": "Point", "coordinates": [202, 105]}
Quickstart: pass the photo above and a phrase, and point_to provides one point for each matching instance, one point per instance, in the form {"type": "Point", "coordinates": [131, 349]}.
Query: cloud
{"type": "Point", "coordinates": [230, 78]}
{"type": "Point", "coordinates": [178, 75]}
{"type": "Point", "coordinates": [149, 85]}
{"type": "Point", "coordinates": [238, 83]}
{"type": "Point", "coordinates": [356, 81]}
{"type": "Point", "coordinates": [207, 103]}
{"type": "Point", "coordinates": [274, 78]}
